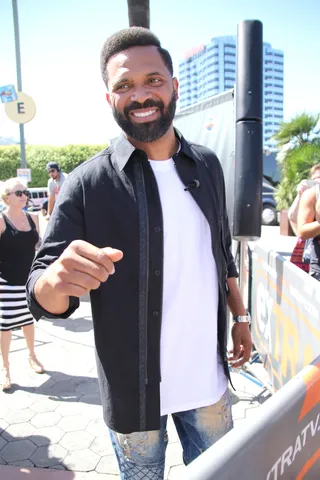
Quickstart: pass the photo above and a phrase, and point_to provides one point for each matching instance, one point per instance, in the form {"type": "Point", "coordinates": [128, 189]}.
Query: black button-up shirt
{"type": "Point", "coordinates": [113, 200]}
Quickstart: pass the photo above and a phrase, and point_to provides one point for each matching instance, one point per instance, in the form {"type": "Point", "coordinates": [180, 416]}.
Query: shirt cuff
{"type": "Point", "coordinates": [38, 311]}
{"type": "Point", "coordinates": [232, 271]}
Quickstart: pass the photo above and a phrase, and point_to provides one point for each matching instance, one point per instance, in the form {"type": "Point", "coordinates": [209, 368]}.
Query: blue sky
{"type": "Point", "coordinates": [61, 42]}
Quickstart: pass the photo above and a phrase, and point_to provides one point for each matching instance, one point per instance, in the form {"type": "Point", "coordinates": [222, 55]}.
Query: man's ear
{"type": "Point", "coordinates": [176, 87]}
{"type": "Point", "coordinates": [108, 97]}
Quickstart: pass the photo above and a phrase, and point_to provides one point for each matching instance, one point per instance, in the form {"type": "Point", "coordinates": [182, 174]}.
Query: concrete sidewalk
{"type": "Point", "coordinates": [54, 421]}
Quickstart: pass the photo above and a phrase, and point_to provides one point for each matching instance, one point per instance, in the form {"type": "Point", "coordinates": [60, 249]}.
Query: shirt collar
{"type": "Point", "coordinates": [124, 149]}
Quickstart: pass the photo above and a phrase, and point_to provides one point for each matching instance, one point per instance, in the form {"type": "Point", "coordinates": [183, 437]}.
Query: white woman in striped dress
{"type": "Point", "coordinates": [18, 238]}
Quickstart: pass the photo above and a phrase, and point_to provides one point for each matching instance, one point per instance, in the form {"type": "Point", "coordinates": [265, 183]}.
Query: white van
{"type": "Point", "coordinates": [37, 196]}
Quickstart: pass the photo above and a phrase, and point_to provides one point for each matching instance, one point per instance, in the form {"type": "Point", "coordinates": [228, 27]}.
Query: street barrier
{"type": "Point", "coordinates": [281, 442]}
{"type": "Point", "coordinates": [285, 309]}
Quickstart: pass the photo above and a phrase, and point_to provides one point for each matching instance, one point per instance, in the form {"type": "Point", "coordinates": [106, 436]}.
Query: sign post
{"type": "Point", "coordinates": [24, 174]}
{"type": "Point", "coordinates": [22, 109]}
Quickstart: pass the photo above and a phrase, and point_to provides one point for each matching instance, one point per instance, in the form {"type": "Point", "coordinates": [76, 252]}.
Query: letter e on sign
{"type": "Point", "coordinates": [20, 106]}
{"type": "Point", "coordinates": [21, 110]}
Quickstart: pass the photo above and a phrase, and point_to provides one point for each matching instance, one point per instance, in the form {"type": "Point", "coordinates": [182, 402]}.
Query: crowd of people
{"type": "Point", "coordinates": [143, 228]}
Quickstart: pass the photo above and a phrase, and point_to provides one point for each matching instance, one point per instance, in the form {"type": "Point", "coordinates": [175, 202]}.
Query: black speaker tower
{"type": "Point", "coordinates": [248, 138]}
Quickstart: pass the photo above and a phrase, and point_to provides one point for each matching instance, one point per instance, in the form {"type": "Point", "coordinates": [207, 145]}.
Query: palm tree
{"type": "Point", "coordinates": [298, 128]}
{"type": "Point", "coordinates": [299, 149]}
{"type": "Point", "coordinates": [295, 168]}
{"type": "Point", "coordinates": [139, 13]}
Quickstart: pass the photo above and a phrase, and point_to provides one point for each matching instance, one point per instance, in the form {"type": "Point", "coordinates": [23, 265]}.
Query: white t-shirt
{"type": "Point", "coordinates": [192, 374]}
{"type": "Point", "coordinates": [54, 186]}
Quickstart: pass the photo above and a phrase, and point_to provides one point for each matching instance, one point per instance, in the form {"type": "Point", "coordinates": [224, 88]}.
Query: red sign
{"type": "Point", "coordinates": [194, 51]}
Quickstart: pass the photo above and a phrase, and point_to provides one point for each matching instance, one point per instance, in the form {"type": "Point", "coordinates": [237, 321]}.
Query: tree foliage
{"type": "Point", "coordinates": [298, 129]}
{"type": "Point", "coordinates": [68, 158]}
{"type": "Point", "coordinates": [299, 149]}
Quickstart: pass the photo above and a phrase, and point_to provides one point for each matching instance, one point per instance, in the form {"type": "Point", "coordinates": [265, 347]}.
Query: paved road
{"type": "Point", "coordinates": [55, 420]}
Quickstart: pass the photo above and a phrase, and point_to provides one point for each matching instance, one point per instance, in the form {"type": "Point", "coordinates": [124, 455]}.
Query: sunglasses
{"type": "Point", "coordinates": [19, 193]}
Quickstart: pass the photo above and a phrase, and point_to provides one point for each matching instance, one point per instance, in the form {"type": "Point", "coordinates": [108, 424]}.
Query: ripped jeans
{"type": "Point", "coordinates": [142, 454]}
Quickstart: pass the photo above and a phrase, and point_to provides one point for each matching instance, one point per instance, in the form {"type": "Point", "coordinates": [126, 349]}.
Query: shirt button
{"type": "Point", "coordinates": [157, 229]}
{"type": "Point", "coordinates": [155, 313]}
{"type": "Point", "coordinates": [157, 273]}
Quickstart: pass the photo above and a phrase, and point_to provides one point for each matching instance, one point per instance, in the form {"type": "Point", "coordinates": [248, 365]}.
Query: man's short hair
{"type": "Point", "coordinates": [127, 38]}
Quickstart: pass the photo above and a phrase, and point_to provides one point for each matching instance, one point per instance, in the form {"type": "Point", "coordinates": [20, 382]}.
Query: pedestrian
{"type": "Point", "coordinates": [159, 313]}
{"type": "Point", "coordinates": [297, 256]}
{"type": "Point", "coordinates": [308, 221]}
{"type": "Point", "coordinates": [18, 238]}
{"type": "Point", "coordinates": [55, 183]}
{"type": "Point", "coordinates": [44, 208]}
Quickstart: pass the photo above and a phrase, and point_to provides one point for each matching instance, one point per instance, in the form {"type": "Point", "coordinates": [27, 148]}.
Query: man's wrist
{"type": "Point", "coordinates": [48, 299]}
{"type": "Point", "coordinates": [246, 318]}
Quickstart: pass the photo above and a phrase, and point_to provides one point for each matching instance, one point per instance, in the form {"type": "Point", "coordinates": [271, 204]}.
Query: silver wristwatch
{"type": "Point", "coordinates": [242, 318]}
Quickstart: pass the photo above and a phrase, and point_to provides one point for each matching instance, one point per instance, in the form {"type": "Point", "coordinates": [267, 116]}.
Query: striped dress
{"type": "Point", "coordinates": [13, 306]}
{"type": "Point", "coordinates": [17, 249]}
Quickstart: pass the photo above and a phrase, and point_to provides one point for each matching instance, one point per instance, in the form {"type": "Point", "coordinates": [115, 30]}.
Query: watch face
{"type": "Point", "coordinates": [242, 319]}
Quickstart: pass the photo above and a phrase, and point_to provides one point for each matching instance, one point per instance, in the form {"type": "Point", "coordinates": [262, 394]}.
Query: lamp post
{"type": "Point", "coordinates": [19, 81]}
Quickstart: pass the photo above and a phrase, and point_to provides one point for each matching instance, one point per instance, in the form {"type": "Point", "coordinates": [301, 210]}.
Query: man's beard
{"type": "Point", "coordinates": [148, 131]}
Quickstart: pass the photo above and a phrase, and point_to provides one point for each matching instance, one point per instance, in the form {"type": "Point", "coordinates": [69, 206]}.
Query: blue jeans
{"type": "Point", "coordinates": [142, 454]}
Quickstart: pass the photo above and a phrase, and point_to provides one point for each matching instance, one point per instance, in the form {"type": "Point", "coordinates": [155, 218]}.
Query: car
{"type": "Point", "coordinates": [37, 195]}
{"type": "Point", "coordinates": [269, 204]}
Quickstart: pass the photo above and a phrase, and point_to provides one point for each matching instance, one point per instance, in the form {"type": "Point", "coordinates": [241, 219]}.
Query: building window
{"type": "Point", "coordinates": [213, 64]}
{"type": "Point", "coordinates": [212, 47]}
{"type": "Point", "coordinates": [215, 55]}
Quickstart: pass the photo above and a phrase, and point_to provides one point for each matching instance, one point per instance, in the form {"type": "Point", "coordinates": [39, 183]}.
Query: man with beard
{"type": "Point", "coordinates": [160, 319]}
{"type": "Point", "coordinates": [55, 182]}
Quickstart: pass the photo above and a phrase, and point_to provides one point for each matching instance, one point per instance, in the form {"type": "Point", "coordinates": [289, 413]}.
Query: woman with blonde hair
{"type": "Point", "coordinates": [19, 235]}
